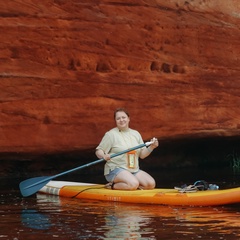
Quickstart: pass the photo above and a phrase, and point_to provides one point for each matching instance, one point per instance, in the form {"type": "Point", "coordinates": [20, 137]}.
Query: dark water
{"type": "Point", "coordinates": [48, 217]}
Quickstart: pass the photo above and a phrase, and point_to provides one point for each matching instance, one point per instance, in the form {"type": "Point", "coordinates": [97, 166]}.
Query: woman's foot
{"type": "Point", "coordinates": [109, 185]}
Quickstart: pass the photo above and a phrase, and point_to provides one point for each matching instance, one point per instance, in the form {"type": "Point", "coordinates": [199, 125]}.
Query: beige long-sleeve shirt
{"type": "Point", "coordinates": [115, 141]}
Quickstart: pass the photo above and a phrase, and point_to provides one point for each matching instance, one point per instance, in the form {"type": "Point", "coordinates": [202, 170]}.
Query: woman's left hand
{"type": "Point", "coordinates": [154, 142]}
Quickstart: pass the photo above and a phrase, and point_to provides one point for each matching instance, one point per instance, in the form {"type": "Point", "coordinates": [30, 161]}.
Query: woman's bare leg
{"type": "Point", "coordinates": [125, 181]}
{"type": "Point", "coordinates": [145, 180]}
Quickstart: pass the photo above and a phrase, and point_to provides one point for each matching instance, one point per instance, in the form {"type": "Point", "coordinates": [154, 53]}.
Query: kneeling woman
{"type": "Point", "coordinates": [122, 172]}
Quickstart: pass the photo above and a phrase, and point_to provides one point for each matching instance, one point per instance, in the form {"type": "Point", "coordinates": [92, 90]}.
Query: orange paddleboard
{"type": "Point", "coordinates": [156, 196]}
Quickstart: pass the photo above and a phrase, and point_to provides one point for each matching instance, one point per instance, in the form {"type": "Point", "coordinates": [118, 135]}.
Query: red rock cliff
{"type": "Point", "coordinates": [66, 65]}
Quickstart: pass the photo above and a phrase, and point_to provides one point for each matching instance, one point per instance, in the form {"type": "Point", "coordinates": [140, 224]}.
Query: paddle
{"type": "Point", "coordinates": [32, 185]}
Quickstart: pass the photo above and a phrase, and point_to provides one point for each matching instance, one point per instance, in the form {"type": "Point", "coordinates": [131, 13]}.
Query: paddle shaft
{"type": "Point", "coordinates": [47, 179]}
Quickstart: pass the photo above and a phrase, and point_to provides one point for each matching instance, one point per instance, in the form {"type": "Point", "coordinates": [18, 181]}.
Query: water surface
{"type": "Point", "coordinates": [50, 217]}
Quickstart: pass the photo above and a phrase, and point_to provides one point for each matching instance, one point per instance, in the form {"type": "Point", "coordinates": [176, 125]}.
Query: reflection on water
{"type": "Point", "coordinates": [32, 219]}
{"type": "Point", "coordinates": [51, 217]}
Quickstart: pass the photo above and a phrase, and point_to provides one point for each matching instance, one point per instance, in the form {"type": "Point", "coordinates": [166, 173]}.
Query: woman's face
{"type": "Point", "coordinates": [122, 120]}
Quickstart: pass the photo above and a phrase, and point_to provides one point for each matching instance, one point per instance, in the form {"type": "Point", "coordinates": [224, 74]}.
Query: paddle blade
{"type": "Point", "coordinates": [32, 185]}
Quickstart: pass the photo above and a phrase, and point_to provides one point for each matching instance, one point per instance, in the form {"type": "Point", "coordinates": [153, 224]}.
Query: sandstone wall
{"type": "Point", "coordinates": [66, 65]}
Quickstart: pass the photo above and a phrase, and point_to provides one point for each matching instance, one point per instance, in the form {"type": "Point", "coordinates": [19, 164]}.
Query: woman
{"type": "Point", "coordinates": [122, 172]}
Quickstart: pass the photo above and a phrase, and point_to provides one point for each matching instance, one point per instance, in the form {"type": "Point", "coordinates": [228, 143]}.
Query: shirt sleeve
{"type": "Point", "coordinates": [138, 137]}
{"type": "Point", "coordinates": [106, 143]}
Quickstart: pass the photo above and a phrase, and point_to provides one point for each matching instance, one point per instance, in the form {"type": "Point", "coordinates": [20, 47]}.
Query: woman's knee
{"type": "Point", "coordinates": [148, 183]}
{"type": "Point", "coordinates": [129, 181]}
{"type": "Point", "coordinates": [152, 184]}
{"type": "Point", "coordinates": [133, 185]}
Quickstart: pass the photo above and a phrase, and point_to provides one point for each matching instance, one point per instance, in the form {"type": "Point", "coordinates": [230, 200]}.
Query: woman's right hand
{"type": "Point", "coordinates": [106, 157]}
{"type": "Point", "coordinates": [101, 154]}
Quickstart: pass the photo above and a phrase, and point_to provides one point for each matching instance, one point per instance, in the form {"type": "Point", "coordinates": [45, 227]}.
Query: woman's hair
{"type": "Point", "coordinates": [120, 110]}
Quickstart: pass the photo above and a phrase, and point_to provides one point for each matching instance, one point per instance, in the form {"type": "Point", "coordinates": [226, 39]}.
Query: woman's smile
{"type": "Point", "coordinates": [122, 120]}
